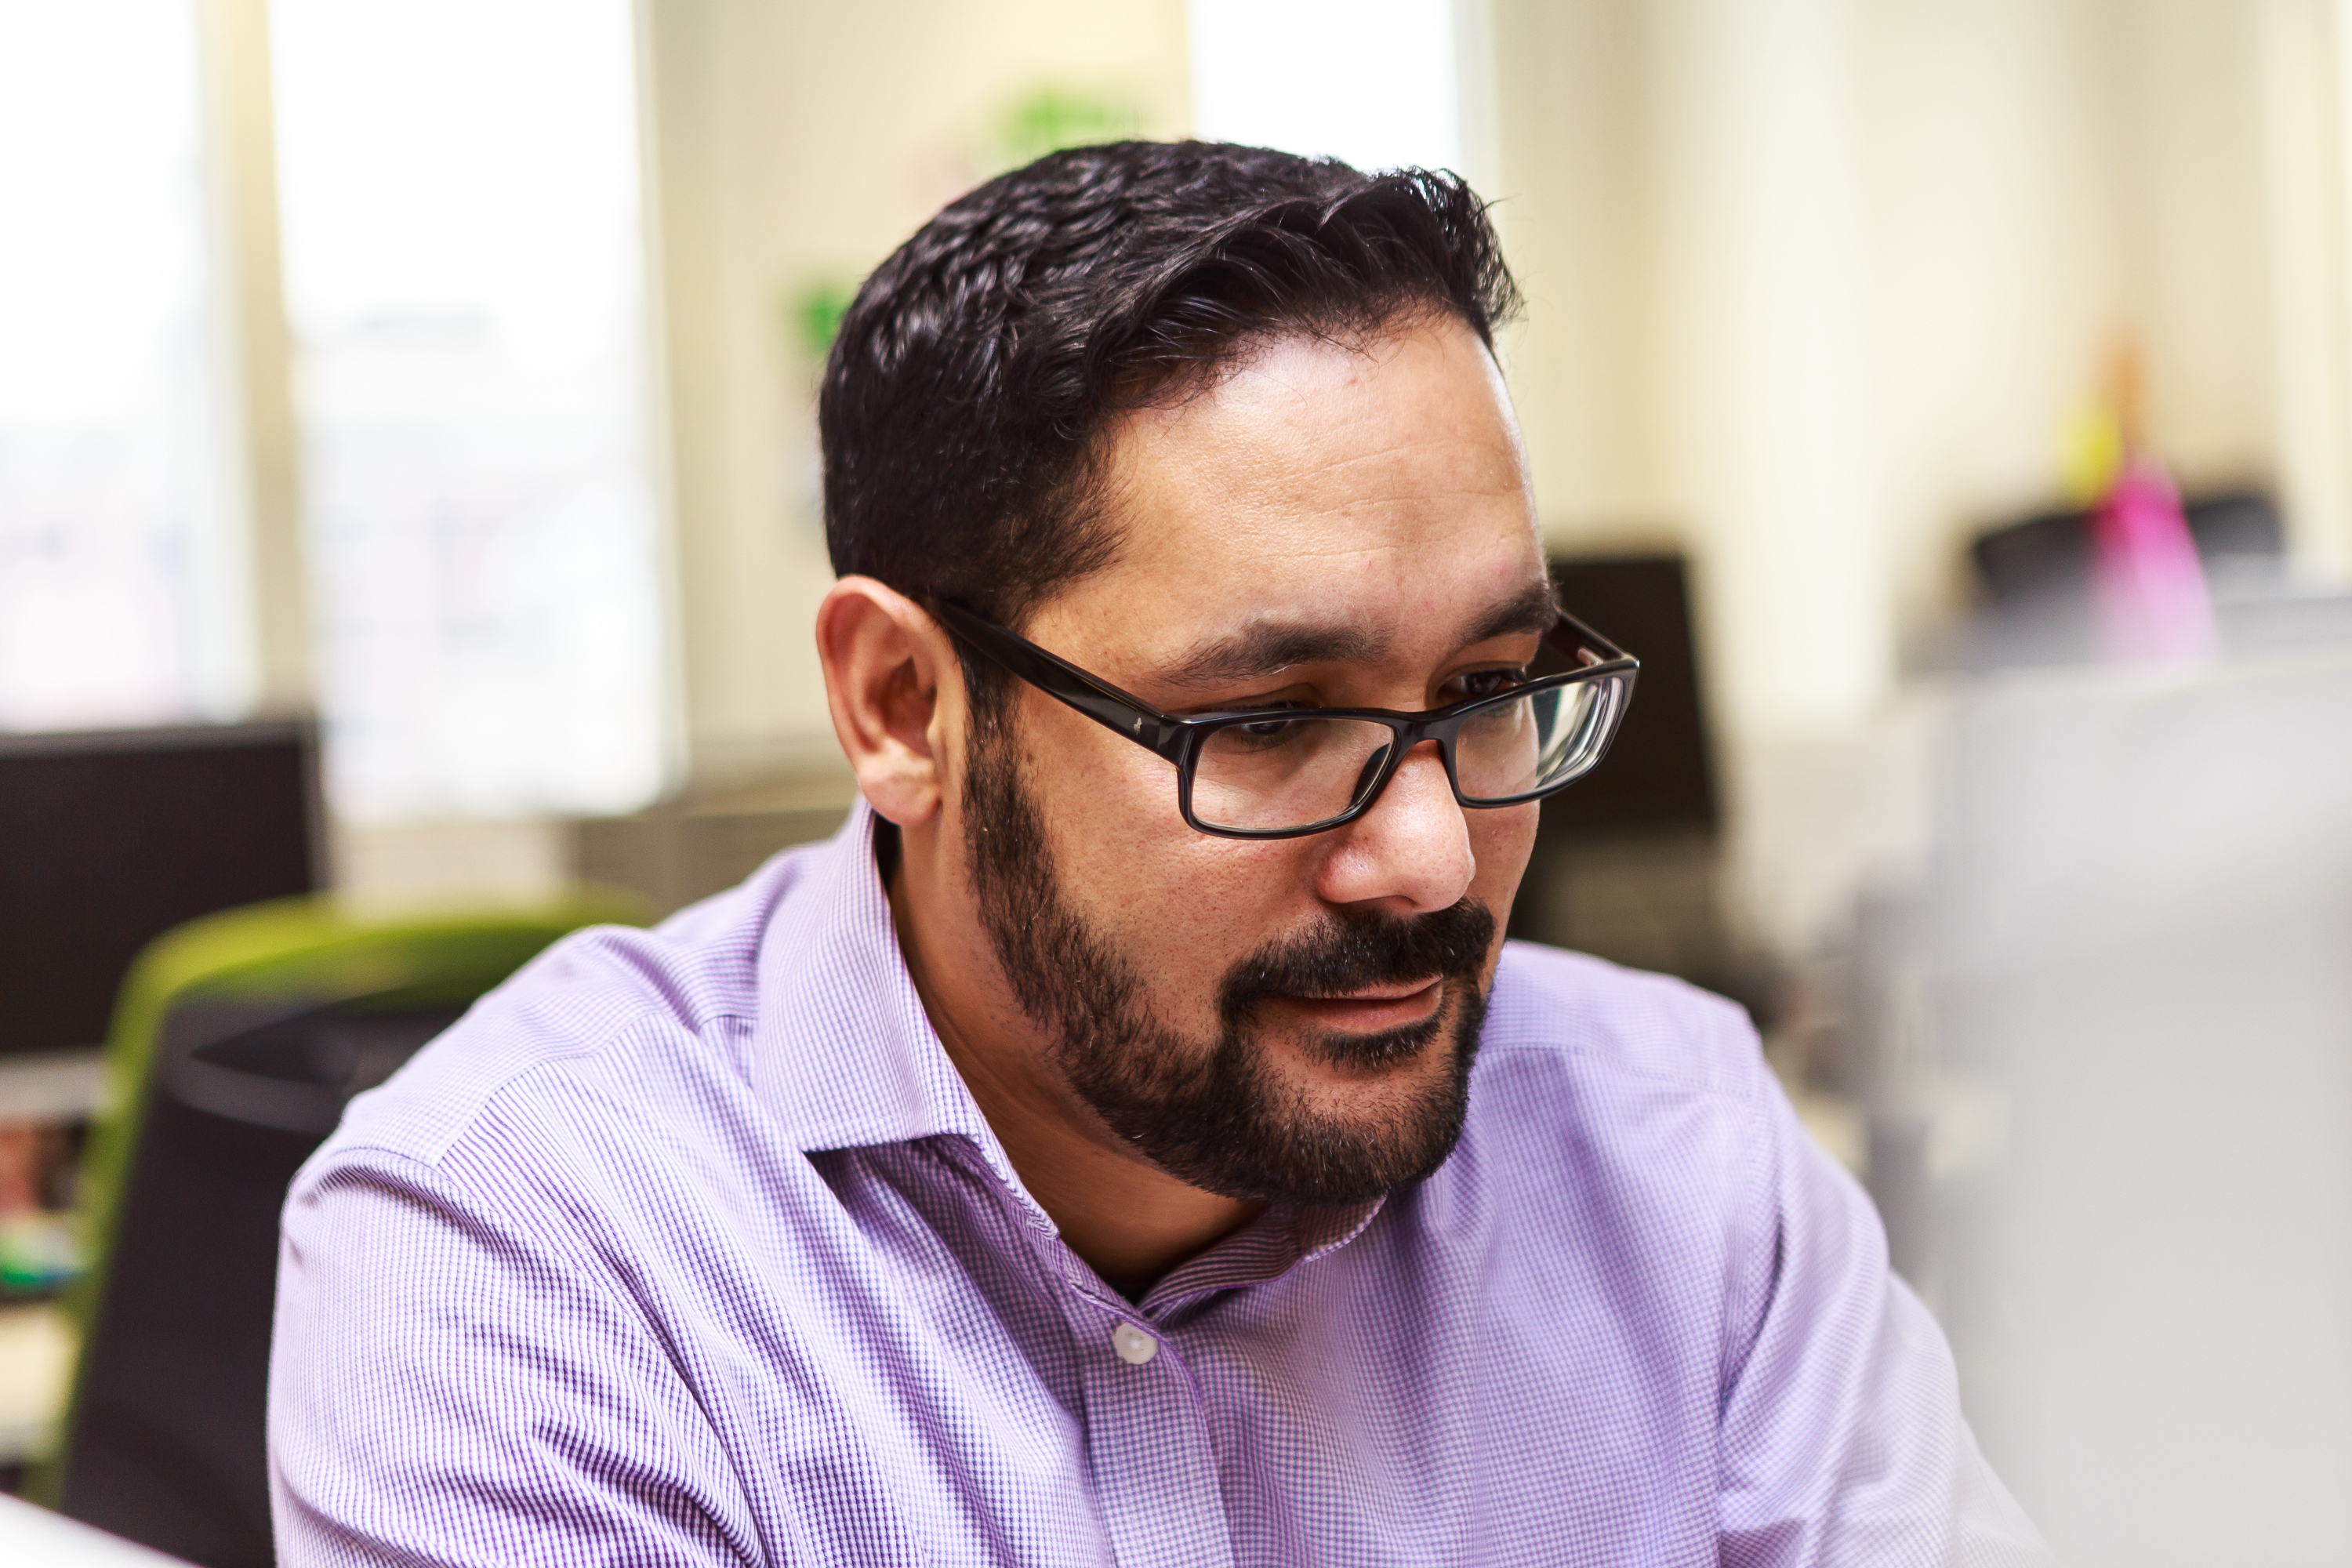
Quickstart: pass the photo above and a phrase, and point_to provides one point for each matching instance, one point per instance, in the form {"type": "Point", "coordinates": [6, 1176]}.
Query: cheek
{"type": "Point", "coordinates": [1111, 811]}
{"type": "Point", "coordinates": [1182, 906]}
{"type": "Point", "coordinates": [1502, 839]}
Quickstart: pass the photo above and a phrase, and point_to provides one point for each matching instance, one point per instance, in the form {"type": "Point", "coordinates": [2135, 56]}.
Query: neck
{"type": "Point", "coordinates": [1132, 1221]}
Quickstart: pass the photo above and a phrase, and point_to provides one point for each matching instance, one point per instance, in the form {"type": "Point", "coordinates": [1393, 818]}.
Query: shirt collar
{"type": "Point", "coordinates": [845, 1056]}
{"type": "Point", "coordinates": [1286, 1238]}
{"type": "Point", "coordinates": [842, 1053]}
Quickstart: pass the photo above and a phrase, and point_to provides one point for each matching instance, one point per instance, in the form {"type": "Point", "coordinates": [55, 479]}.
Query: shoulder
{"type": "Point", "coordinates": [1597, 1087]}
{"type": "Point", "coordinates": [1624, 1132]}
{"type": "Point", "coordinates": [1617, 1163]}
{"type": "Point", "coordinates": [626, 1009]}
{"type": "Point", "coordinates": [1553, 1010]}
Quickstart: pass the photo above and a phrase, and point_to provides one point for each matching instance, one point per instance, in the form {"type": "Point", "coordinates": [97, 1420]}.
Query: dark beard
{"type": "Point", "coordinates": [1212, 1114]}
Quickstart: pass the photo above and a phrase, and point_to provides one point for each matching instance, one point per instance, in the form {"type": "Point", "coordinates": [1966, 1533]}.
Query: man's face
{"type": "Point", "coordinates": [1283, 1019]}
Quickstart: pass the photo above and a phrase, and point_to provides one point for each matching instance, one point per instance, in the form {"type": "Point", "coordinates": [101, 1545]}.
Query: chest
{"type": "Point", "coordinates": [1414, 1398]}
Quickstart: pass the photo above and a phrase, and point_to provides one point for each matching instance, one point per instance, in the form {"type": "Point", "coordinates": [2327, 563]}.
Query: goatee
{"type": "Point", "coordinates": [1215, 1113]}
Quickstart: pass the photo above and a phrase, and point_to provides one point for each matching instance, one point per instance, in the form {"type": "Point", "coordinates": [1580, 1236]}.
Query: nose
{"type": "Point", "coordinates": [1409, 853]}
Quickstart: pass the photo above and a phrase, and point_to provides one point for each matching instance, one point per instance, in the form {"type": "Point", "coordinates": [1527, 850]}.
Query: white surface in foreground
{"type": "Point", "coordinates": [2119, 1041]}
{"type": "Point", "coordinates": [36, 1356]}
{"type": "Point", "coordinates": [35, 1538]}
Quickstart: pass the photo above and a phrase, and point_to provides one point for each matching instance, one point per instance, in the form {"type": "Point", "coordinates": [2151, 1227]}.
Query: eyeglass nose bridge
{"type": "Point", "coordinates": [1406, 736]}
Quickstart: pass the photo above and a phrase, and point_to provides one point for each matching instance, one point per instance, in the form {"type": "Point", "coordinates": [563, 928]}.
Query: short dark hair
{"type": "Point", "coordinates": [973, 373]}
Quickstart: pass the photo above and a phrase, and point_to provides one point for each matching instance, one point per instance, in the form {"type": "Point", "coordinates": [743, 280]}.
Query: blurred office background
{"type": "Point", "coordinates": [408, 496]}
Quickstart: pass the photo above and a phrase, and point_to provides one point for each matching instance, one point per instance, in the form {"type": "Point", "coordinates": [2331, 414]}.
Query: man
{"type": "Point", "coordinates": [1129, 1139]}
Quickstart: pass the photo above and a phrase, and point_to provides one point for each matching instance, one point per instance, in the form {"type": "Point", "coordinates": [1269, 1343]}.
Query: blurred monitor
{"type": "Point", "coordinates": [1624, 865]}
{"type": "Point", "coordinates": [2047, 559]}
{"type": "Point", "coordinates": [108, 838]}
{"type": "Point", "coordinates": [1658, 773]}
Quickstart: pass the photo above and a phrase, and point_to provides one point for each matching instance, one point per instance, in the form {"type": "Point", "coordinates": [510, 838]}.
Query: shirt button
{"type": "Point", "coordinates": [1134, 1346]}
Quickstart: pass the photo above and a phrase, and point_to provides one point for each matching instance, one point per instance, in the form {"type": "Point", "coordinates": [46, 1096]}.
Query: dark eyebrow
{"type": "Point", "coordinates": [1531, 609]}
{"type": "Point", "coordinates": [1271, 646]}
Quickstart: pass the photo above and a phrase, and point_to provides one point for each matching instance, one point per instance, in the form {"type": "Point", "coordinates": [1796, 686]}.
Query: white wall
{"type": "Point", "coordinates": [1815, 286]}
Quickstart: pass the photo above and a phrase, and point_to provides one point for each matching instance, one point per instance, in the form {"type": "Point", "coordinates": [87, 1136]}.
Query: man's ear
{"type": "Point", "coordinates": [884, 658]}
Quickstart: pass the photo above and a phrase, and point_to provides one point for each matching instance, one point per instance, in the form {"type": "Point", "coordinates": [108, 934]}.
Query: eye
{"type": "Point", "coordinates": [1482, 683]}
{"type": "Point", "coordinates": [1261, 734]}
{"type": "Point", "coordinates": [1298, 694]}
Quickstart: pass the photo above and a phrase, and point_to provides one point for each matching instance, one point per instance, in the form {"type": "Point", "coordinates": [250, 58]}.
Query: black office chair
{"type": "Point", "coordinates": [239, 1039]}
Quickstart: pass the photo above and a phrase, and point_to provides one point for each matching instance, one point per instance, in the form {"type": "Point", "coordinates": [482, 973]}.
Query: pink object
{"type": "Point", "coordinates": [2146, 578]}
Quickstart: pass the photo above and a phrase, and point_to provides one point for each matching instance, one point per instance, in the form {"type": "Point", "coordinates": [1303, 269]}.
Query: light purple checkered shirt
{"type": "Point", "coordinates": [690, 1246]}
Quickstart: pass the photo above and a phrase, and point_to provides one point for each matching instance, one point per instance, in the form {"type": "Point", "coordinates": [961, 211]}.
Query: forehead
{"type": "Point", "coordinates": [1382, 483]}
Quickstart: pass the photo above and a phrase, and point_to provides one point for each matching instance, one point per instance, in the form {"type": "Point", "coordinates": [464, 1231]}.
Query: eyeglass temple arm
{"type": "Point", "coordinates": [1582, 643]}
{"type": "Point", "coordinates": [1098, 699]}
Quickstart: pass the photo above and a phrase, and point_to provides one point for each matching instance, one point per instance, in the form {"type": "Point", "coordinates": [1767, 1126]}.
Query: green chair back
{"type": "Point", "coordinates": [236, 1042]}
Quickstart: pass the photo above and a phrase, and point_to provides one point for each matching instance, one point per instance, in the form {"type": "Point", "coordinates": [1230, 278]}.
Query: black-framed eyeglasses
{"type": "Point", "coordinates": [1283, 773]}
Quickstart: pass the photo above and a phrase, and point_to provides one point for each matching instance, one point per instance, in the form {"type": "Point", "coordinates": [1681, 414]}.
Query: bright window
{"type": "Point", "coordinates": [1374, 82]}
{"type": "Point", "coordinates": [112, 551]}
{"type": "Point", "coordinates": [458, 187]}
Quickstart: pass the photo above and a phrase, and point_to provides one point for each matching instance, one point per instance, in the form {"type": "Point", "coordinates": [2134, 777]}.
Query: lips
{"type": "Point", "coordinates": [1370, 1010]}
{"type": "Point", "coordinates": [1377, 994]}
{"type": "Point", "coordinates": [1354, 972]}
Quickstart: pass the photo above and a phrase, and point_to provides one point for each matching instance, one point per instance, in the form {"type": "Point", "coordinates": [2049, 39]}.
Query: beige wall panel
{"type": "Point", "coordinates": [2000, 206]}
{"type": "Point", "coordinates": [2305, 163]}
{"type": "Point", "coordinates": [259, 658]}
{"type": "Point", "coordinates": [2203, 283]}
{"type": "Point", "coordinates": [1576, 207]}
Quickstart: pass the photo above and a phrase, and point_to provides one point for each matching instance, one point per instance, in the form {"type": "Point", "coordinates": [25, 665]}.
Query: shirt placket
{"type": "Point", "coordinates": [1148, 1430]}
{"type": "Point", "coordinates": [1147, 1427]}
{"type": "Point", "coordinates": [1146, 1420]}
{"type": "Point", "coordinates": [1148, 1438]}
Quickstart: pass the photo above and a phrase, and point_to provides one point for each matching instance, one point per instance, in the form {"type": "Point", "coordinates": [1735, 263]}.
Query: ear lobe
{"type": "Point", "coordinates": [883, 658]}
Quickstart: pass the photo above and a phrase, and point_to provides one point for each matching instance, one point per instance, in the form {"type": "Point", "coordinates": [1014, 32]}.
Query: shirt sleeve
{"type": "Point", "coordinates": [1844, 1444]}
{"type": "Point", "coordinates": [446, 1388]}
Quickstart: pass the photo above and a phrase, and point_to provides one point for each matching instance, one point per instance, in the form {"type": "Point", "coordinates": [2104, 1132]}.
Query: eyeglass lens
{"type": "Point", "coordinates": [1270, 774]}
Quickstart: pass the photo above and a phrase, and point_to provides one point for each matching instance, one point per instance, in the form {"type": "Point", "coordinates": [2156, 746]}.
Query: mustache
{"type": "Point", "coordinates": [1350, 952]}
